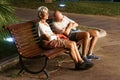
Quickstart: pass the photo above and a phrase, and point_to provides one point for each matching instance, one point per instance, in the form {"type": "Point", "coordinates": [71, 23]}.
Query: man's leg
{"type": "Point", "coordinates": [94, 34]}
{"type": "Point", "coordinates": [85, 37]}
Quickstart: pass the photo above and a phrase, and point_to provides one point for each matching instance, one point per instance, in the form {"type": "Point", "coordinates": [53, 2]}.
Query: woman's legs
{"type": "Point", "coordinates": [76, 50]}
{"type": "Point", "coordinates": [71, 45]}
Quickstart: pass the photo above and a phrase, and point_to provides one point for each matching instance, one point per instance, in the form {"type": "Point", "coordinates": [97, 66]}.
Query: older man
{"type": "Point", "coordinates": [67, 26]}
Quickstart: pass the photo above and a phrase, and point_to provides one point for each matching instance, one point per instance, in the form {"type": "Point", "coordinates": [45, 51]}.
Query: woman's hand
{"type": "Point", "coordinates": [45, 37]}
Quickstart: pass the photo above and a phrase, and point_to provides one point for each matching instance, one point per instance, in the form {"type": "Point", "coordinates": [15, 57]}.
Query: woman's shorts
{"type": "Point", "coordinates": [54, 43]}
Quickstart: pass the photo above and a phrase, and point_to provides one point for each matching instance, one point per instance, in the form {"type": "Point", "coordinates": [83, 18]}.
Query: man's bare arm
{"type": "Point", "coordinates": [69, 27]}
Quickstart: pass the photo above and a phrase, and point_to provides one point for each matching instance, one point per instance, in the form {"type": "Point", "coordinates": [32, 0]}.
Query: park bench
{"type": "Point", "coordinates": [27, 42]}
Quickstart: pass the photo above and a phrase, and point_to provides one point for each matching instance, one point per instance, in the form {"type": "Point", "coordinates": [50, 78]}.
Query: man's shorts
{"type": "Point", "coordinates": [73, 34]}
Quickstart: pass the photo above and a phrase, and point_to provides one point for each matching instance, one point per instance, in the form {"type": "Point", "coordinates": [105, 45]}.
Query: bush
{"type": "Point", "coordinates": [6, 13]}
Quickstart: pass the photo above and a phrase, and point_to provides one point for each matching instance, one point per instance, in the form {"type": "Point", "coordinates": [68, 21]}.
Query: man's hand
{"type": "Point", "coordinates": [69, 27]}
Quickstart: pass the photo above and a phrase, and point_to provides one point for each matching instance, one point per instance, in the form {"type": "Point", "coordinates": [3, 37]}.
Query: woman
{"type": "Point", "coordinates": [51, 40]}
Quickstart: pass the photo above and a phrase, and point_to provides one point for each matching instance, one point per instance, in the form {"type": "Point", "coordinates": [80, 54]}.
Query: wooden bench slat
{"type": "Point", "coordinates": [30, 48]}
{"type": "Point", "coordinates": [54, 53]}
{"type": "Point", "coordinates": [23, 31]}
{"type": "Point", "coordinates": [30, 53]}
{"type": "Point", "coordinates": [28, 44]}
{"type": "Point", "coordinates": [22, 35]}
{"type": "Point", "coordinates": [20, 25]}
{"type": "Point", "coordinates": [26, 39]}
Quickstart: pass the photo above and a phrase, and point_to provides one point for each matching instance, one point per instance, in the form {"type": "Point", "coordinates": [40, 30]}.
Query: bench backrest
{"type": "Point", "coordinates": [27, 41]}
{"type": "Point", "coordinates": [26, 38]}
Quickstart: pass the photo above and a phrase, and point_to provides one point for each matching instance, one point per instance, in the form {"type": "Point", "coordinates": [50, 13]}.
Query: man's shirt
{"type": "Point", "coordinates": [59, 26]}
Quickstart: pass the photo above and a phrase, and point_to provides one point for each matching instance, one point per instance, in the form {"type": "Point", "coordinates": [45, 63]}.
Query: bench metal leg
{"type": "Point", "coordinates": [46, 73]}
{"type": "Point", "coordinates": [20, 71]}
{"type": "Point", "coordinates": [23, 67]}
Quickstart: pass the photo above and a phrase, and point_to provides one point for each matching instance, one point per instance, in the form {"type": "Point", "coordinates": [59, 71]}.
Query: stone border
{"type": "Point", "coordinates": [102, 33]}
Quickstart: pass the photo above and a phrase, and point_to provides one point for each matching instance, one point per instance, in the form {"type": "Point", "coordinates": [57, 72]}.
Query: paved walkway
{"type": "Point", "coordinates": [108, 48]}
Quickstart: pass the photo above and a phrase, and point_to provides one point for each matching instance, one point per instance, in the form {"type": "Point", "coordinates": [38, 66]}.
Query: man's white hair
{"type": "Point", "coordinates": [41, 10]}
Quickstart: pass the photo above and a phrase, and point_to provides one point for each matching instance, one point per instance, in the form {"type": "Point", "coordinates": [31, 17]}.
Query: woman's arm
{"type": "Point", "coordinates": [45, 37]}
{"type": "Point", "coordinates": [49, 37]}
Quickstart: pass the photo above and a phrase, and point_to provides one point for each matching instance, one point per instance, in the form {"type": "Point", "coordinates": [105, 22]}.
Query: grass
{"type": "Point", "coordinates": [82, 7]}
{"type": "Point", "coordinates": [95, 8]}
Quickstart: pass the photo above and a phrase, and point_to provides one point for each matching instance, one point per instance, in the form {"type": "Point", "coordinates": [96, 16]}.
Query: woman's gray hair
{"type": "Point", "coordinates": [41, 10]}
